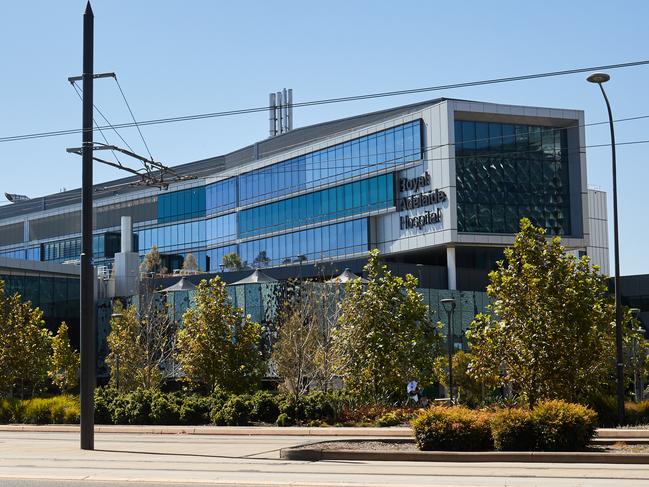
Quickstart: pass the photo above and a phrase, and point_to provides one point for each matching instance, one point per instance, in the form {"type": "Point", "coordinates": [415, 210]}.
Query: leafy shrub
{"type": "Point", "coordinates": [165, 409]}
{"type": "Point", "coordinates": [513, 430]}
{"type": "Point", "coordinates": [452, 428]}
{"type": "Point", "coordinates": [195, 410]}
{"type": "Point", "coordinates": [264, 407]}
{"type": "Point", "coordinates": [104, 397]}
{"type": "Point", "coordinates": [8, 410]}
{"type": "Point", "coordinates": [606, 408]}
{"type": "Point", "coordinates": [37, 411]}
{"type": "Point", "coordinates": [235, 412]}
{"type": "Point", "coordinates": [64, 409]}
{"type": "Point", "coordinates": [637, 413]}
{"type": "Point", "coordinates": [389, 419]}
{"type": "Point", "coordinates": [318, 406]}
{"type": "Point", "coordinates": [138, 406]}
{"type": "Point", "coordinates": [291, 407]}
{"type": "Point", "coordinates": [284, 420]}
{"type": "Point", "coordinates": [119, 407]}
{"type": "Point", "coordinates": [395, 417]}
{"type": "Point", "coordinates": [562, 426]}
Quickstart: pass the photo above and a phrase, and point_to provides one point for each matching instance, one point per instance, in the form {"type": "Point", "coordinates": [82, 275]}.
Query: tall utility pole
{"type": "Point", "coordinates": [87, 328]}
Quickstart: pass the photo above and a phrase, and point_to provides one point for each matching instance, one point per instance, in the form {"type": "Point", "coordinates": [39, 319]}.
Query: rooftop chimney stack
{"type": "Point", "coordinates": [280, 112]}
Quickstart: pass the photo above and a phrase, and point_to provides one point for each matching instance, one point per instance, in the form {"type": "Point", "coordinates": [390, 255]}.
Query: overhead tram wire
{"type": "Point", "coordinates": [244, 111]}
{"type": "Point", "coordinates": [79, 92]}
{"type": "Point", "coordinates": [133, 117]}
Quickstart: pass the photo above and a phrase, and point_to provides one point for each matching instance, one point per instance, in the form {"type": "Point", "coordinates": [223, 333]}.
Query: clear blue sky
{"type": "Point", "coordinates": [178, 58]}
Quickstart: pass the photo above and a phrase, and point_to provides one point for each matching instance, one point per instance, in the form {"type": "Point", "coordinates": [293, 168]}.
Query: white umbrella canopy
{"type": "Point", "coordinates": [182, 285]}
{"type": "Point", "coordinates": [344, 277]}
{"type": "Point", "coordinates": [256, 277]}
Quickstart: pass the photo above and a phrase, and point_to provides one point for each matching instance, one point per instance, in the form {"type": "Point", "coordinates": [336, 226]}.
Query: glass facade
{"type": "Point", "coordinates": [506, 172]}
{"type": "Point", "coordinates": [221, 229]}
{"type": "Point", "coordinates": [57, 297]}
{"type": "Point", "coordinates": [104, 246]}
{"type": "Point", "coordinates": [215, 257]}
{"type": "Point", "coordinates": [181, 205]}
{"type": "Point", "coordinates": [340, 201]}
{"type": "Point", "coordinates": [212, 220]}
{"type": "Point", "coordinates": [375, 152]}
{"type": "Point", "coordinates": [32, 253]}
{"type": "Point", "coordinates": [169, 238]}
{"type": "Point", "coordinates": [221, 196]}
{"type": "Point", "coordinates": [307, 245]}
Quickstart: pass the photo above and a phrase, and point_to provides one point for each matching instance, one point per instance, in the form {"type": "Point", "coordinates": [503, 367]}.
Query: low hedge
{"type": "Point", "coordinates": [549, 426]}
{"type": "Point", "coordinates": [562, 426]}
{"type": "Point", "coordinates": [453, 429]}
{"type": "Point", "coordinates": [637, 413]}
{"type": "Point", "coordinates": [53, 410]}
{"type": "Point", "coordinates": [513, 430]}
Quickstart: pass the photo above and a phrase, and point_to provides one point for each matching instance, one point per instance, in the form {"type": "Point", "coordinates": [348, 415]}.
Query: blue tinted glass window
{"type": "Point", "coordinates": [181, 205]}
{"type": "Point", "coordinates": [359, 156]}
{"type": "Point", "coordinates": [312, 244]}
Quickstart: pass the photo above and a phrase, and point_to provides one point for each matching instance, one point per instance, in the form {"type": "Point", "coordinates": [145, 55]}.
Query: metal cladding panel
{"type": "Point", "coordinates": [12, 234]}
{"type": "Point", "coordinates": [55, 225]}
{"type": "Point", "coordinates": [141, 210]}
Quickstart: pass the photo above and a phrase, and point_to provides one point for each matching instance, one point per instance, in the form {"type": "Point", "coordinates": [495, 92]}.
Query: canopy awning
{"type": "Point", "coordinates": [256, 277]}
{"type": "Point", "coordinates": [345, 277]}
{"type": "Point", "coordinates": [182, 285]}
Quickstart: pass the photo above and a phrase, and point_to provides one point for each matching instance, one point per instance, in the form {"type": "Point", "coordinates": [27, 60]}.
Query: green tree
{"type": "Point", "coordinates": [385, 336]}
{"type": "Point", "coordinates": [141, 344]}
{"type": "Point", "coordinates": [549, 332]}
{"type": "Point", "coordinates": [153, 262]}
{"type": "Point", "coordinates": [219, 346]}
{"type": "Point", "coordinates": [295, 350]}
{"type": "Point", "coordinates": [190, 263]}
{"type": "Point", "coordinates": [470, 391]}
{"type": "Point", "coordinates": [64, 368]}
{"type": "Point", "coordinates": [125, 348]}
{"type": "Point", "coordinates": [232, 262]}
{"type": "Point", "coordinates": [24, 345]}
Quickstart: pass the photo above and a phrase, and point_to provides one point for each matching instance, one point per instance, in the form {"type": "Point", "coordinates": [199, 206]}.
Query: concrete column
{"type": "Point", "coordinates": [450, 266]}
{"type": "Point", "coordinates": [127, 234]}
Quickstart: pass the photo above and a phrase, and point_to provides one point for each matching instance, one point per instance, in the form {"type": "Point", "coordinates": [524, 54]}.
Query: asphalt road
{"type": "Point", "coordinates": [139, 460]}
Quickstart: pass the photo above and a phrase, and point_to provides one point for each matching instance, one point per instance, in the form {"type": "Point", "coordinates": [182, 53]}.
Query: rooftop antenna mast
{"type": "Point", "coordinates": [280, 112]}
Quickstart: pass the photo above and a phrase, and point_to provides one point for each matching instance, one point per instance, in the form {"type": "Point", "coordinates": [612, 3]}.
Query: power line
{"type": "Point", "coordinates": [336, 100]}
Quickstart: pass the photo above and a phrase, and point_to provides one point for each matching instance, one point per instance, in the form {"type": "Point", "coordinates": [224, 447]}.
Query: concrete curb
{"type": "Point", "coordinates": [312, 453]}
{"type": "Point", "coordinates": [619, 433]}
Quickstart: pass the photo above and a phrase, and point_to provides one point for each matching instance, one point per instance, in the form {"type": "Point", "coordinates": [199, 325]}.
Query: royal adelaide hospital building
{"type": "Point", "coordinates": [438, 187]}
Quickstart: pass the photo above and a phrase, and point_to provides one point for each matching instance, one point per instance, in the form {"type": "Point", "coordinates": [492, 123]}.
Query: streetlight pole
{"type": "Point", "coordinates": [449, 307]}
{"type": "Point", "coordinates": [600, 79]}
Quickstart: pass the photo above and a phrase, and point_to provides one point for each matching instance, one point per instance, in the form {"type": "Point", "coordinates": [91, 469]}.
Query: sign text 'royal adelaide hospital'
{"type": "Point", "coordinates": [420, 199]}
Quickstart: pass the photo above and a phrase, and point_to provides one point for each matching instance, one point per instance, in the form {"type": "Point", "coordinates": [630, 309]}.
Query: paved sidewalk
{"type": "Point", "coordinates": [254, 460]}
